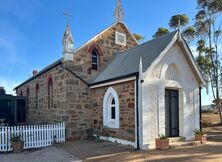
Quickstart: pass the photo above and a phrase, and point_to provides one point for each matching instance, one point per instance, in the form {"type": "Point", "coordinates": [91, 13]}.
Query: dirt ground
{"type": "Point", "coordinates": [211, 152]}
{"type": "Point", "coordinates": [210, 118]}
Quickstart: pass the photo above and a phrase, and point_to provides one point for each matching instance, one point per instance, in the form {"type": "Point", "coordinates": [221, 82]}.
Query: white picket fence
{"type": "Point", "coordinates": [35, 136]}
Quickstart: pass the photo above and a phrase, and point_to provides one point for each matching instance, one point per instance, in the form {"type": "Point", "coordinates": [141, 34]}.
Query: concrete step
{"type": "Point", "coordinates": [180, 144]}
{"type": "Point", "coordinates": [176, 139]}
{"type": "Point", "coordinates": [214, 136]}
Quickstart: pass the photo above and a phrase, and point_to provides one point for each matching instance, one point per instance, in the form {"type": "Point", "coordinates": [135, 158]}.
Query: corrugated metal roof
{"type": "Point", "coordinates": [127, 63]}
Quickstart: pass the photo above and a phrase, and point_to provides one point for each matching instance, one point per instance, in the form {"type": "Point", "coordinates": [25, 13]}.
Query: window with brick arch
{"type": "Point", "coordinates": [27, 95]}
{"type": "Point", "coordinates": [27, 92]}
{"type": "Point", "coordinates": [37, 96]}
{"type": "Point", "coordinates": [95, 60]}
{"type": "Point", "coordinates": [50, 93]}
{"type": "Point", "coordinates": [21, 93]}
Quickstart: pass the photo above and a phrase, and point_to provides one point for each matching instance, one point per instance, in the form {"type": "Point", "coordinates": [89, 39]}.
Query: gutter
{"type": "Point", "coordinates": [137, 113]}
{"type": "Point", "coordinates": [200, 110]}
{"type": "Point", "coordinates": [114, 79]}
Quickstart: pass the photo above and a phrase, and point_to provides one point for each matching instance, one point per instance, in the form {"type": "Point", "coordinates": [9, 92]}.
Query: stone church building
{"type": "Point", "coordinates": [117, 89]}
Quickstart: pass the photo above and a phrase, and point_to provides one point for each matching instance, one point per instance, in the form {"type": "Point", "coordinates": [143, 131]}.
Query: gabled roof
{"type": "Point", "coordinates": [47, 68]}
{"type": "Point", "coordinates": [127, 63]}
{"type": "Point", "coordinates": [103, 31]}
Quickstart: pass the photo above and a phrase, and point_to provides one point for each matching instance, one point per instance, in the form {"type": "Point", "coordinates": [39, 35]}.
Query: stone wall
{"type": "Point", "coordinates": [71, 98]}
{"type": "Point", "coordinates": [71, 95]}
{"type": "Point", "coordinates": [43, 113]}
{"type": "Point", "coordinates": [107, 48]}
{"type": "Point", "coordinates": [126, 94]}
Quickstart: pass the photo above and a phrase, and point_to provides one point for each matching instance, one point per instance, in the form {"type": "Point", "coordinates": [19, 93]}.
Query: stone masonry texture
{"type": "Point", "coordinates": [73, 100]}
{"type": "Point", "coordinates": [126, 94]}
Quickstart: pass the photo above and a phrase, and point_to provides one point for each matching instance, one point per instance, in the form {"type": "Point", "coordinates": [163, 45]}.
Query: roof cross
{"type": "Point", "coordinates": [67, 15]}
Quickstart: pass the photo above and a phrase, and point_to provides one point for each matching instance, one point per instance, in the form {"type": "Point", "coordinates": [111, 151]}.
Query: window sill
{"type": "Point", "coordinates": [111, 126]}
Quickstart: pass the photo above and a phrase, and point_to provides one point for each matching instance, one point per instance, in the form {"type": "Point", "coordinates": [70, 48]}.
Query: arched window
{"type": "Point", "coordinates": [27, 92]}
{"type": "Point", "coordinates": [111, 109]}
{"type": "Point", "coordinates": [50, 93]}
{"type": "Point", "coordinates": [37, 95]}
{"type": "Point", "coordinates": [95, 59]}
{"type": "Point", "coordinates": [21, 93]}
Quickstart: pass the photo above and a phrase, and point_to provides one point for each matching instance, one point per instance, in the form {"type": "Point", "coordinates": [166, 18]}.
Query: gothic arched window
{"type": "Point", "coordinates": [27, 92]}
{"type": "Point", "coordinates": [37, 96]}
{"type": "Point", "coordinates": [21, 93]}
{"type": "Point", "coordinates": [95, 59]}
{"type": "Point", "coordinates": [111, 109]}
{"type": "Point", "coordinates": [50, 93]}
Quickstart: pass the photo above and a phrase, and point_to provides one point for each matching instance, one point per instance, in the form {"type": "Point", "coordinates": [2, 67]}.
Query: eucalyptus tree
{"type": "Point", "coordinates": [208, 22]}
{"type": "Point", "coordinates": [160, 31]}
{"type": "Point", "coordinates": [178, 21]}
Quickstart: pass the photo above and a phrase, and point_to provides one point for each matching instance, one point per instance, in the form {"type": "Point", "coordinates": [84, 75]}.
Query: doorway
{"type": "Point", "coordinates": [172, 112]}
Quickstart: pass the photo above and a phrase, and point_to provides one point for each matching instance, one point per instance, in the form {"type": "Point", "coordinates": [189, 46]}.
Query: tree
{"type": "Point", "coordinates": [138, 37]}
{"type": "Point", "coordinates": [208, 31]}
{"type": "Point", "coordinates": [161, 31]}
{"type": "Point", "coordinates": [189, 34]}
{"type": "Point", "coordinates": [178, 21]}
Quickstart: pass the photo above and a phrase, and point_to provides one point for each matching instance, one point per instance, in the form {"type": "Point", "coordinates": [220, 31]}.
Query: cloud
{"type": "Point", "coordinates": [13, 47]}
{"type": "Point", "coordinates": [24, 10]}
{"type": "Point", "coordinates": [9, 85]}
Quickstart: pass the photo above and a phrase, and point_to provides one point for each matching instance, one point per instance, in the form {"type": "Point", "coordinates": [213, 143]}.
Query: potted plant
{"type": "Point", "coordinates": [162, 143]}
{"type": "Point", "coordinates": [200, 135]}
{"type": "Point", "coordinates": [17, 143]}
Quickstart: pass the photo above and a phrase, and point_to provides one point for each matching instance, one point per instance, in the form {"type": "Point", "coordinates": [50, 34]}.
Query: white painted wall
{"type": "Point", "coordinates": [173, 72]}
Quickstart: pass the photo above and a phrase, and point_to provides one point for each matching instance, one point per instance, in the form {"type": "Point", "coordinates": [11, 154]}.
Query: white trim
{"type": "Point", "coordinates": [117, 140]}
{"type": "Point", "coordinates": [192, 60]}
{"type": "Point", "coordinates": [113, 82]}
{"type": "Point", "coordinates": [93, 38]}
{"type": "Point", "coordinates": [107, 121]}
{"type": "Point", "coordinates": [135, 100]}
{"type": "Point", "coordinates": [174, 39]}
{"type": "Point", "coordinates": [157, 60]}
{"type": "Point", "coordinates": [130, 32]}
{"type": "Point", "coordinates": [117, 35]}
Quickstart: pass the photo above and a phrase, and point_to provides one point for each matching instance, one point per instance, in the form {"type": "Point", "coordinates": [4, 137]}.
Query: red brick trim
{"type": "Point", "coordinates": [96, 47]}
{"type": "Point", "coordinates": [27, 91]}
{"type": "Point", "coordinates": [50, 81]}
{"type": "Point", "coordinates": [37, 87]}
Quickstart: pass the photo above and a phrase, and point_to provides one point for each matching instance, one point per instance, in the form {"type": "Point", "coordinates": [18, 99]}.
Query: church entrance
{"type": "Point", "coordinates": [172, 112]}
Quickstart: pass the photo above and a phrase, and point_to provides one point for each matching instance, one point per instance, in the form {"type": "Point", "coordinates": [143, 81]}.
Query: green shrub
{"type": "Point", "coordinates": [199, 132]}
{"type": "Point", "coordinates": [16, 138]}
{"type": "Point", "coordinates": [163, 136]}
